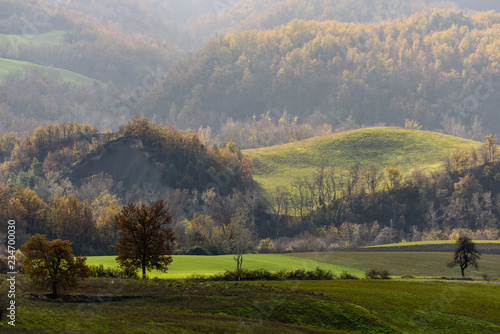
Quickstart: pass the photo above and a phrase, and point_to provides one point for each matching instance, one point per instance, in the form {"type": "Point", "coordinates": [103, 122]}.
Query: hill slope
{"type": "Point", "coordinates": [7, 65]}
{"type": "Point", "coordinates": [339, 70]}
{"type": "Point", "coordinates": [53, 37]}
{"type": "Point", "coordinates": [384, 146]}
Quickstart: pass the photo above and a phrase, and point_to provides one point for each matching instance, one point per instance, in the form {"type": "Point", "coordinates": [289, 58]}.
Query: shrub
{"type": "Point", "coordinates": [282, 275]}
{"type": "Point", "coordinates": [320, 274]}
{"type": "Point", "coordinates": [408, 276]}
{"type": "Point", "coordinates": [100, 271]}
{"type": "Point", "coordinates": [374, 274]}
{"type": "Point", "coordinates": [346, 275]}
{"type": "Point", "coordinates": [214, 250]}
{"type": "Point", "coordinates": [384, 274]}
{"type": "Point", "coordinates": [266, 246]}
{"type": "Point", "coordinates": [197, 250]}
{"type": "Point", "coordinates": [371, 273]}
{"type": "Point", "coordinates": [262, 274]}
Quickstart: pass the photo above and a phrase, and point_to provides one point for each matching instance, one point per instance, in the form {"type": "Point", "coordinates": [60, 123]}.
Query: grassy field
{"type": "Point", "coordinates": [52, 37]}
{"type": "Point", "coordinates": [418, 264]}
{"type": "Point", "coordinates": [353, 306]}
{"type": "Point", "coordinates": [383, 146]}
{"type": "Point", "coordinates": [7, 65]}
{"type": "Point", "coordinates": [187, 265]}
{"type": "Point", "coordinates": [436, 242]}
{"type": "Point", "coordinates": [417, 307]}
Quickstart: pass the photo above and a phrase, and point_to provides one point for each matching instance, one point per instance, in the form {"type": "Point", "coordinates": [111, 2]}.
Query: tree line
{"type": "Point", "coordinates": [436, 67]}
{"type": "Point", "coordinates": [371, 205]}
{"type": "Point", "coordinates": [36, 191]}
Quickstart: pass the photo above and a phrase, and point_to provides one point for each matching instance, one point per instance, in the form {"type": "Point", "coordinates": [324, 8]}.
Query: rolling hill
{"type": "Point", "coordinates": [383, 146]}
{"type": "Point", "coordinates": [8, 65]}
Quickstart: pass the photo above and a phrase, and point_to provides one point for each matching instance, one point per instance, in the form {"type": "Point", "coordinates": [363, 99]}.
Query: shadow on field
{"type": "Point", "coordinates": [81, 298]}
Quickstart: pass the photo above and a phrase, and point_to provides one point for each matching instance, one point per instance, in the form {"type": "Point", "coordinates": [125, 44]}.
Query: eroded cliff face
{"type": "Point", "coordinates": [125, 160]}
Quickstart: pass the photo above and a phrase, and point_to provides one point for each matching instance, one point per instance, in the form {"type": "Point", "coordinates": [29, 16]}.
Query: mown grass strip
{"type": "Point", "coordinates": [184, 266]}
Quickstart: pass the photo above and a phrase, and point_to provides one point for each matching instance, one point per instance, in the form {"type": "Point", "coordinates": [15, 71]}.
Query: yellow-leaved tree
{"type": "Point", "coordinates": [51, 264]}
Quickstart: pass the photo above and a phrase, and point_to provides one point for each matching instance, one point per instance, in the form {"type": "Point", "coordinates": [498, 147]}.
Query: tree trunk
{"type": "Point", "coordinates": [462, 269]}
{"type": "Point", "coordinates": [54, 289]}
{"type": "Point", "coordinates": [143, 271]}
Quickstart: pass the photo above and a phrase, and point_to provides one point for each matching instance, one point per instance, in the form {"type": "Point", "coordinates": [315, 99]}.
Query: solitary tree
{"type": "Point", "coordinates": [144, 237]}
{"type": "Point", "coordinates": [51, 264]}
{"type": "Point", "coordinates": [240, 238]}
{"type": "Point", "coordinates": [465, 254]}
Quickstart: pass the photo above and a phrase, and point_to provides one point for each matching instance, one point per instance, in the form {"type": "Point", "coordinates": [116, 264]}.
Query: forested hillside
{"type": "Point", "coordinates": [442, 65]}
{"type": "Point", "coordinates": [438, 67]}
{"type": "Point", "coordinates": [116, 62]}
{"type": "Point", "coordinates": [73, 173]}
{"type": "Point", "coordinates": [78, 77]}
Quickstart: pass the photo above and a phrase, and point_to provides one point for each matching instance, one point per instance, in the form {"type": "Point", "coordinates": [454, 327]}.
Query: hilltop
{"type": "Point", "coordinates": [403, 148]}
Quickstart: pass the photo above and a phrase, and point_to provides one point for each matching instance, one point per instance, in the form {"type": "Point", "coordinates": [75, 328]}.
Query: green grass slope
{"type": "Point", "coordinates": [52, 37]}
{"type": "Point", "coordinates": [384, 146]}
{"type": "Point", "coordinates": [418, 264]}
{"type": "Point", "coordinates": [349, 306]}
{"type": "Point", "coordinates": [435, 242]}
{"type": "Point", "coordinates": [7, 65]}
{"type": "Point", "coordinates": [416, 307]}
{"type": "Point", "coordinates": [186, 265]}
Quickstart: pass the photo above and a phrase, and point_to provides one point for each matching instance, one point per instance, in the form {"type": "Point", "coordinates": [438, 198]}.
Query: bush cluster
{"type": "Point", "coordinates": [375, 273]}
{"type": "Point", "coordinates": [346, 275]}
{"type": "Point", "coordinates": [100, 271]}
{"type": "Point", "coordinates": [197, 250]}
{"type": "Point", "coordinates": [282, 275]}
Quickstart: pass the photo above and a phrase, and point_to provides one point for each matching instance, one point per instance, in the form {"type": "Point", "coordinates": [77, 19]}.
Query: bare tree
{"type": "Point", "coordinates": [466, 254]}
{"type": "Point", "coordinates": [372, 177]}
{"type": "Point", "coordinates": [431, 216]}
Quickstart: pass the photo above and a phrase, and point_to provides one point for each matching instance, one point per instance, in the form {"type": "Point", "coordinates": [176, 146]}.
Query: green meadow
{"type": "Point", "coordinates": [416, 307]}
{"type": "Point", "coordinates": [52, 37]}
{"type": "Point", "coordinates": [382, 146]}
{"type": "Point", "coordinates": [8, 65]}
{"type": "Point", "coordinates": [351, 306]}
{"type": "Point", "coordinates": [418, 264]}
{"type": "Point", "coordinates": [434, 242]}
{"type": "Point", "coordinates": [184, 266]}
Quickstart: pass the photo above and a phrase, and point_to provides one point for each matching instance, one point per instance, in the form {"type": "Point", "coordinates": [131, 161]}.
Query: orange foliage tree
{"type": "Point", "coordinates": [51, 264]}
{"type": "Point", "coordinates": [144, 238]}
